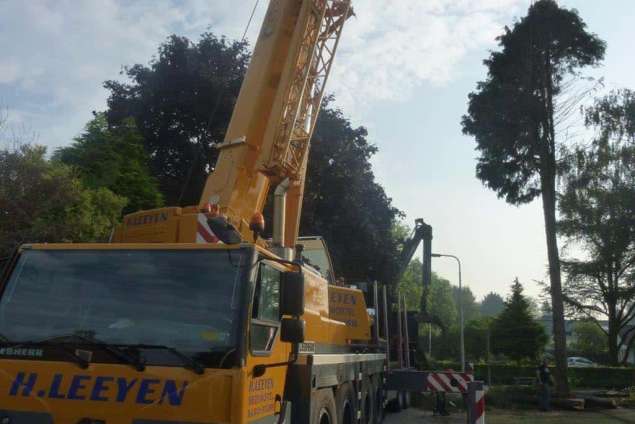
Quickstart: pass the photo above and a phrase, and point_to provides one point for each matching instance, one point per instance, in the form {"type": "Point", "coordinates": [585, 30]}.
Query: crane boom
{"type": "Point", "coordinates": [268, 138]}
{"type": "Point", "coordinates": [270, 130]}
{"type": "Point", "coordinates": [421, 233]}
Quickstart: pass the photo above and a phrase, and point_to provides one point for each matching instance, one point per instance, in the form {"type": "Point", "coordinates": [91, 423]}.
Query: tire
{"type": "Point", "coordinates": [380, 411]}
{"type": "Point", "coordinates": [394, 404]}
{"type": "Point", "coordinates": [346, 405]}
{"type": "Point", "coordinates": [404, 399]}
{"type": "Point", "coordinates": [368, 402]}
{"type": "Point", "coordinates": [323, 409]}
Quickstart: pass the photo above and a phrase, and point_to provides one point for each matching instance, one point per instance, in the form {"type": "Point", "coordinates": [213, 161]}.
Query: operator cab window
{"type": "Point", "coordinates": [265, 318]}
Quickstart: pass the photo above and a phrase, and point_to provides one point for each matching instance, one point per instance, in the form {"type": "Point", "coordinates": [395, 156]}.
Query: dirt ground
{"type": "Point", "coordinates": [618, 416]}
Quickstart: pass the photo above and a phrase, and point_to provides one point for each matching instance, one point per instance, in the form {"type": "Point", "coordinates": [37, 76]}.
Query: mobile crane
{"type": "Point", "coordinates": [188, 315]}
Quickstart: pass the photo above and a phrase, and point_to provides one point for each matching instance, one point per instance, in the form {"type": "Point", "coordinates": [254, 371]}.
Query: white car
{"type": "Point", "coordinates": [579, 362]}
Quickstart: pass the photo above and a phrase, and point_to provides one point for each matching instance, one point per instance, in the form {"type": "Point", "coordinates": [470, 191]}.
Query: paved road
{"type": "Point", "coordinates": [416, 416]}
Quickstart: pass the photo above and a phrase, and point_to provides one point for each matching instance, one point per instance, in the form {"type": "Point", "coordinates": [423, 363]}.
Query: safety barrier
{"type": "Point", "coordinates": [475, 403]}
{"type": "Point", "coordinates": [448, 381]}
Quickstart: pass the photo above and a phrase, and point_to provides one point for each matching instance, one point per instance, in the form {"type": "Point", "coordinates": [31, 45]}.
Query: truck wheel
{"type": "Point", "coordinates": [323, 409]}
{"type": "Point", "coordinates": [405, 400]}
{"type": "Point", "coordinates": [394, 404]}
{"type": "Point", "coordinates": [368, 402]}
{"type": "Point", "coordinates": [345, 404]}
{"type": "Point", "coordinates": [380, 411]}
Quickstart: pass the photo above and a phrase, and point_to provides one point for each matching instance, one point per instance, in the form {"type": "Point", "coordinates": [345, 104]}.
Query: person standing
{"type": "Point", "coordinates": [545, 382]}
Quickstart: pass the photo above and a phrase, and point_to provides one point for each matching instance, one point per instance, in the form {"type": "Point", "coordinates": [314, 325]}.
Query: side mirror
{"type": "Point", "coordinates": [292, 330]}
{"type": "Point", "coordinates": [292, 294]}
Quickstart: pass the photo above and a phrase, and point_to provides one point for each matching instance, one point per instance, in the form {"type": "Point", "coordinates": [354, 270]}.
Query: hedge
{"type": "Point", "coordinates": [596, 377]}
{"type": "Point", "coordinates": [601, 378]}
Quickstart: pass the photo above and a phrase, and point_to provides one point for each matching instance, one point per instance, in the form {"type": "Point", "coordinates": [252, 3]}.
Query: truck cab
{"type": "Point", "coordinates": [127, 333]}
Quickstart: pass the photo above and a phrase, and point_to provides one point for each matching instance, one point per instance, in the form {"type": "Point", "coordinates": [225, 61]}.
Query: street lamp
{"type": "Point", "coordinates": [458, 261]}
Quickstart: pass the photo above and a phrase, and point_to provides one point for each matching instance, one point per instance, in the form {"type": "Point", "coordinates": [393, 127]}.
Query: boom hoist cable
{"type": "Point", "coordinates": [221, 92]}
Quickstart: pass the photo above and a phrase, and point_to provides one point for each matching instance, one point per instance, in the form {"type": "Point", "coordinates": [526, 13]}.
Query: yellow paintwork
{"type": "Point", "coordinates": [163, 225]}
{"type": "Point", "coordinates": [240, 183]}
{"type": "Point", "coordinates": [267, 141]}
{"type": "Point", "coordinates": [219, 396]}
{"type": "Point", "coordinates": [348, 306]}
{"type": "Point", "coordinates": [269, 133]}
{"type": "Point", "coordinates": [206, 398]}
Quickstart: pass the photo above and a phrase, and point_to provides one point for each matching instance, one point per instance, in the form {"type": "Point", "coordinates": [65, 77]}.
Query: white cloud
{"type": "Point", "coordinates": [8, 72]}
{"type": "Point", "coordinates": [394, 46]}
{"type": "Point", "coordinates": [61, 52]}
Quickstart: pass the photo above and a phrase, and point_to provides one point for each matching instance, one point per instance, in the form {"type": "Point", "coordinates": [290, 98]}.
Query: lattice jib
{"type": "Point", "coordinates": [299, 114]}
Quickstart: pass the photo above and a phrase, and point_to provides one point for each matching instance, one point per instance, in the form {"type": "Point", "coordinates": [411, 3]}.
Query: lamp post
{"type": "Point", "coordinates": [462, 346]}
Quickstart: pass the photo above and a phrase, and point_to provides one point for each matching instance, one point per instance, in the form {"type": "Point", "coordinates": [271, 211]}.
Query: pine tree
{"type": "Point", "coordinates": [515, 333]}
{"type": "Point", "coordinates": [513, 115]}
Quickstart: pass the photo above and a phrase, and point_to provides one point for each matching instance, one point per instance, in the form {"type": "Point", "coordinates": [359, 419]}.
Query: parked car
{"type": "Point", "coordinates": [579, 362]}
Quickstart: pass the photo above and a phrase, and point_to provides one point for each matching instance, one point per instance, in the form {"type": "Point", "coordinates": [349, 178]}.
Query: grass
{"type": "Point", "coordinates": [561, 417]}
{"type": "Point", "coordinates": [499, 416]}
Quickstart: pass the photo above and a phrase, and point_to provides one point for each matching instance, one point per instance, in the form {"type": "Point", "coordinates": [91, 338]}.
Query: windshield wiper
{"type": "Point", "coordinates": [187, 360]}
{"type": "Point", "coordinates": [115, 351]}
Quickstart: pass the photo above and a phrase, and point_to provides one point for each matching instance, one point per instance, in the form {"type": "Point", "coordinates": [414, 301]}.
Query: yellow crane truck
{"type": "Point", "coordinates": [189, 315]}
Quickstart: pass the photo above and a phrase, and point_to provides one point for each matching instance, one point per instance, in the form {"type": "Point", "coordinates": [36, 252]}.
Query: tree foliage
{"type": "Point", "coordinates": [43, 201]}
{"type": "Point", "coordinates": [181, 103]}
{"type": "Point", "coordinates": [470, 307]}
{"type": "Point", "coordinates": [114, 159]}
{"type": "Point", "coordinates": [598, 216]}
{"type": "Point", "coordinates": [590, 340]}
{"type": "Point", "coordinates": [515, 333]}
{"type": "Point", "coordinates": [476, 335]}
{"type": "Point", "coordinates": [513, 116]}
{"type": "Point", "coordinates": [344, 204]}
{"type": "Point", "coordinates": [441, 302]}
{"type": "Point", "coordinates": [492, 305]}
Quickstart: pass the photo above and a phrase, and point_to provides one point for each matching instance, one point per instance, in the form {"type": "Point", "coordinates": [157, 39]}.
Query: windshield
{"type": "Point", "coordinates": [185, 299]}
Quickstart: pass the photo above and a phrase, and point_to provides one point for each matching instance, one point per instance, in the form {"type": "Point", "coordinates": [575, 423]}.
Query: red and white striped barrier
{"type": "Point", "coordinates": [448, 381]}
{"type": "Point", "coordinates": [476, 403]}
{"type": "Point", "coordinates": [204, 233]}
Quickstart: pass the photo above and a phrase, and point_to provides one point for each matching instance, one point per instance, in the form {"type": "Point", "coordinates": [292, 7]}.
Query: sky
{"type": "Point", "coordinates": [403, 70]}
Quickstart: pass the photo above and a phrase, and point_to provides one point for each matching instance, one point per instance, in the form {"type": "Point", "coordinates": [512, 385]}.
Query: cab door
{"type": "Point", "coordinates": [265, 392]}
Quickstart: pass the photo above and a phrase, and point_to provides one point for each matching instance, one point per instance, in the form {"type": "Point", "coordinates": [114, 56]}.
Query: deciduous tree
{"type": "Point", "coordinates": [590, 340]}
{"type": "Point", "coordinates": [492, 305]}
{"type": "Point", "coordinates": [181, 103]}
{"type": "Point", "coordinates": [512, 115]}
{"type": "Point", "coordinates": [344, 203]}
{"type": "Point", "coordinates": [598, 217]}
{"type": "Point", "coordinates": [441, 300]}
{"type": "Point", "coordinates": [114, 158]}
{"type": "Point", "coordinates": [470, 307]}
{"type": "Point", "coordinates": [43, 201]}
